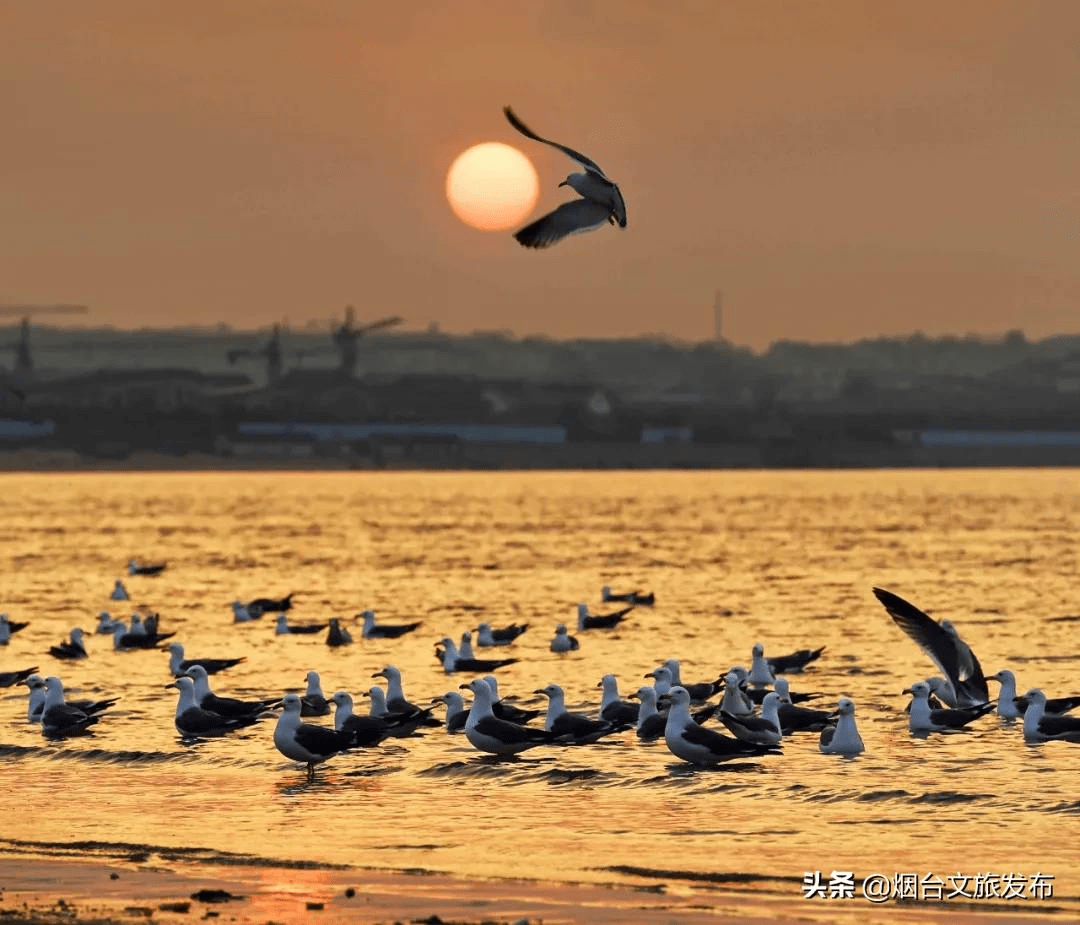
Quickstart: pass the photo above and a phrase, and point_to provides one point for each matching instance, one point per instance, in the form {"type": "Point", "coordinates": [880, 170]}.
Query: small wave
{"type": "Point", "coordinates": [950, 796]}
{"type": "Point", "coordinates": [573, 775]}
{"type": "Point", "coordinates": [697, 876]}
{"type": "Point", "coordinates": [1070, 808]}
{"type": "Point", "coordinates": [875, 796]}
{"type": "Point", "coordinates": [1046, 658]}
{"type": "Point", "coordinates": [108, 756]}
{"type": "Point", "coordinates": [134, 851]}
{"type": "Point", "coordinates": [486, 767]}
{"type": "Point", "coordinates": [94, 755]}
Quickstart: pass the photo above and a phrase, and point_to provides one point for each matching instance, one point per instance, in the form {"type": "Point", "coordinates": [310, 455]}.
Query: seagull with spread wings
{"type": "Point", "coordinates": [601, 200]}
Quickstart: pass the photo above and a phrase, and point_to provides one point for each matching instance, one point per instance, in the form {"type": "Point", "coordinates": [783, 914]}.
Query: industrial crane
{"type": "Point", "coordinates": [346, 337]}
{"type": "Point", "coordinates": [271, 350]}
{"type": "Point", "coordinates": [24, 360]}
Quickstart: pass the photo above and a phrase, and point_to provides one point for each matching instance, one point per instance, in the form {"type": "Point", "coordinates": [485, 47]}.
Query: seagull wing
{"type": "Point", "coordinates": [569, 152]}
{"type": "Point", "coordinates": [1059, 705]}
{"type": "Point", "coordinates": [1060, 727]}
{"type": "Point", "coordinates": [959, 716]}
{"type": "Point", "coordinates": [509, 732]}
{"type": "Point", "coordinates": [320, 741]}
{"type": "Point", "coordinates": [572, 217]}
{"type": "Point", "coordinates": [715, 742]}
{"type": "Point", "coordinates": [930, 637]}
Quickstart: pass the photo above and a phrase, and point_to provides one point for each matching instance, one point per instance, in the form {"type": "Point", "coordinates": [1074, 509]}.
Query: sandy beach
{"type": "Point", "coordinates": [47, 890]}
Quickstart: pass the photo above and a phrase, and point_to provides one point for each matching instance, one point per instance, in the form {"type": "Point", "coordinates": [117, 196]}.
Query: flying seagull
{"type": "Point", "coordinates": [601, 200]}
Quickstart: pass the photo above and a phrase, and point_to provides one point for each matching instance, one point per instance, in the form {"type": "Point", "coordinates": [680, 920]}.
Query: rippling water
{"type": "Point", "coordinates": [784, 558]}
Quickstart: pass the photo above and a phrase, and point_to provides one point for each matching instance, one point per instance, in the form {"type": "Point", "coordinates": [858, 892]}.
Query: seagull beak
{"type": "Point", "coordinates": [464, 687]}
{"type": "Point", "coordinates": [564, 183]}
{"type": "Point", "coordinates": [907, 690]}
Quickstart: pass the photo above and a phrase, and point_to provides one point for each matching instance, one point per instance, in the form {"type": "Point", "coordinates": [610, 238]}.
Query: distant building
{"type": "Point", "coordinates": [163, 389]}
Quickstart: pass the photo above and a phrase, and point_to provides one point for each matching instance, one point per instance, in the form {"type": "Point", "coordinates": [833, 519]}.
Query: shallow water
{"type": "Point", "coordinates": [784, 558]}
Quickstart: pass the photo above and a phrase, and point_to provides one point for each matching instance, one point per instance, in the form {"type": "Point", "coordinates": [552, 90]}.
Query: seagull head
{"type": "Point", "coordinates": [679, 696]}
{"type": "Point", "coordinates": [758, 650]}
{"type": "Point", "coordinates": [1003, 677]}
{"type": "Point", "coordinates": [551, 690]}
{"type": "Point", "coordinates": [342, 699]}
{"type": "Point", "coordinates": [291, 703]}
{"type": "Point", "coordinates": [846, 707]}
{"type": "Point", "coordinates": [577, 182]}
{"type": "Point", "coordinates": [1036, 696]}
{"type": "Point", "coordinates": [918, 690]}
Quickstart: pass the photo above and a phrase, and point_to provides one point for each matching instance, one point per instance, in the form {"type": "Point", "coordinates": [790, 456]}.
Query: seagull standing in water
{"type": "Point", "coordinates": [307, 742]}
{"type": "Point", "coordinates": [60, 719]}
{"type": "Point", "coordinates": [650, 721]}
{"type": "Point", "coordinates": [1040, 726]}
{"type": "Point", "coordinates": [600, 204]}
{"type": "Point", "coordinates": [1010, 706]}
{"type": "Point", "coordinates": [563, 641]}
{"type": "Point", "coordinates": [843, 738]}
{"type": "Point", "coordinates": [71, 649]}
{"type": "Point", "coordinates": [195, 722]}
{"type": "Point", "coordinates": [923, 718]}
{"type": "Point", "coordinates": [314, 702]}
{"type": "Point", "coordinates": [497, 736]}
{"type": "Point", "coordinates": [698, 745]}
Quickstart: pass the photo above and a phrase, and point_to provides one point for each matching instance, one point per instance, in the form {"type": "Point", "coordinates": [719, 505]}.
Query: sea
{"type": "Point", "coordinates": [976, 820]}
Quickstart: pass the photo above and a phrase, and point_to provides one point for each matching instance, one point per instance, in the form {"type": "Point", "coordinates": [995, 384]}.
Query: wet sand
{"type": "Point", "coordinates": [39, 891]}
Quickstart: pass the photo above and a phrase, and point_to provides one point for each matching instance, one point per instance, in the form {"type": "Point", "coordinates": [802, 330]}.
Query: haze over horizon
{"type": "Point", "coordinates": [837, 171]}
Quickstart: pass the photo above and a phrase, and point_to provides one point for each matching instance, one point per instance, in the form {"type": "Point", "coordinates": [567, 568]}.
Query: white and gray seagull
{"type": "Point", "coordinates": [944, 646]}
{"type": "Point", "coordinates": [601, 200]}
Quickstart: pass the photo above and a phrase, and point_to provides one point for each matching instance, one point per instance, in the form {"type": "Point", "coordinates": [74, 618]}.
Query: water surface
{"type": "Point", "coordinates": [787, 559]}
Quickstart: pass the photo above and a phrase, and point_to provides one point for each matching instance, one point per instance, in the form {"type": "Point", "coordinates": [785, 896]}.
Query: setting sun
{"type": "Point", "coordinates": [492, 186]}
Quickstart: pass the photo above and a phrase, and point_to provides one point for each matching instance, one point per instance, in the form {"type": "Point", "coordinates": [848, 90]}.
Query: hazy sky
{"type": "Point", "coordinates": [836, 169]}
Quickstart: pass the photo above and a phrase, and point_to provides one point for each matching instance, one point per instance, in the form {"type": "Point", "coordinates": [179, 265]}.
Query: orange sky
{"type": "Point", "coordinates": [837, 169]}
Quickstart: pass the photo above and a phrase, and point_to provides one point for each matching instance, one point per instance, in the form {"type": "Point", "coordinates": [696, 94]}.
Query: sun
{"type": "Point", "coordinates": [492, 186]}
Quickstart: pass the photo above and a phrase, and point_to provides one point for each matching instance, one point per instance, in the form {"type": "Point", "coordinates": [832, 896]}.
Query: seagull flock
{"type": "Point", "coordinates": [756, 706]}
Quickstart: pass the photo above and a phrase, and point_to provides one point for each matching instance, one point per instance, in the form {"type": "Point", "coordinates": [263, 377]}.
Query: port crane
{"type": "Point", "coordinates": [271, 350]}
{"type": "Point", "coordinates": [344, 342]}
{"type": "Point", "coordinates": [24, 358]}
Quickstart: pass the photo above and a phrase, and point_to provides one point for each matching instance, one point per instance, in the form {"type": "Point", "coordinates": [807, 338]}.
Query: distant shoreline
{"type": "Point", "coordinates": [599, 456]}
